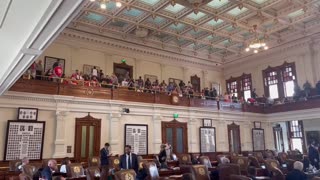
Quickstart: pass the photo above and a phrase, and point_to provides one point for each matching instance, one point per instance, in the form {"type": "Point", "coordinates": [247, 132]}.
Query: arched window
{"type": "Point", "coordinates": [240, 86]}
{"type": "Point", "coordinates": [279, 81]}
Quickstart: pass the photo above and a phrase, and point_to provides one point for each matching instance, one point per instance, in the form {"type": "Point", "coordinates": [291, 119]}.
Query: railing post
{"type": "Point", "coordinates": [218, 105]}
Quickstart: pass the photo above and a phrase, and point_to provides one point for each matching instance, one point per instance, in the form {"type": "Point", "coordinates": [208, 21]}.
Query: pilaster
{"type": "Point", "coordinates": [59, 143]}
{"type": "Point", "coordinates": [157, 134]}
{"type": "Point", "coordinates": [192, 130]}
{"type": "Point", "coordinates": [185, 75]}
{"type": "Point", "coordinates": [115, 133]}
{"type": "Point", "coordinates": [222, 136]}
{"type": "Point", "coordinates": [204, 79]}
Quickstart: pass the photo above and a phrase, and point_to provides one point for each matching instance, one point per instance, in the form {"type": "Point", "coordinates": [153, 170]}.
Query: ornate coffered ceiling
{"type": "Point", "coordinates": [218, 30]}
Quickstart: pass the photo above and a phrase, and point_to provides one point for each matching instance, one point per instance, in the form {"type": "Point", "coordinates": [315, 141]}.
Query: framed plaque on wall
{"type": "Point", "coordinates": [28, 114]}
{"type": "Point", "coordinates": [207, 123]}
{"type": "Point", "coordinates": [258, 143]}
{"type": "Point", "coordinates": [136, 135]}
{"type": "Point", "coordinates": [207, 139]}
{"type": "Point", "coordinates": [24, 139]}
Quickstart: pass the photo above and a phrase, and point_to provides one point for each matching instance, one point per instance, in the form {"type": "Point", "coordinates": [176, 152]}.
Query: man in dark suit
{"type": "Point", "coordinates": [297, 172]}
{"type": "Point", "coordinates": [129, 160]}
{"type": "Point", "coordinates": [314, 155]}
{"type": "Point", "coordinates": [47, 172]}
{"type": "Point", "coordinates": [104, 160]}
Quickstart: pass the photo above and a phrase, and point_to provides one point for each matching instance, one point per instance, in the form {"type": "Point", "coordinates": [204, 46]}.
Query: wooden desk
{"type": "Point", "coordinates": [9, 175]}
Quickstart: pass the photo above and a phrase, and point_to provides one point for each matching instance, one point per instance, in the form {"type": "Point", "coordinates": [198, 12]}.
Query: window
{"type": "Point", "coordinates": [240, 86]}
{"type": "Point", "coordinates": [279, 81]}
{"type": "Point", "coordinates": [296, 135]}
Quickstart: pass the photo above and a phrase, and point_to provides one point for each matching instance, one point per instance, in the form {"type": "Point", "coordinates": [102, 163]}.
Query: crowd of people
{"type": "Point", "coordinates": [97, 78]}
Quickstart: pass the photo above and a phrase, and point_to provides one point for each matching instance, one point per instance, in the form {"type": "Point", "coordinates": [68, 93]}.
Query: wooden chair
{"type": "Point", "coordinates": [277, 174]}
{"type": "Point", "coordinates": [255, 168]}
{"type": "Point", "coordinates": [152, 170]}
{"type": "Point", "coordinates": [115, 163]}
{"type": "Point", "coordinates": [75, 170]}
{"type": "Point", "coordinates": [239, 177]}
{"type": "Point", "coordinates": [185, 159]}
{"type": "Point", "coordinates": [243, 163]}
{"type": "Point", "coordinates": [125, 174]}
{"type": "Point", "coordinates": [226, 170]}
{"type": "Point", "coordinates": [93, 172]}
{"type": "Point", "coordinates": [200, 172]}
{"type": "Point", "coordinates": [23, 176]}
{"type": "Point", "coordinates": [13, 165]}
{"type": "Point", "coordinates": [94, 161]}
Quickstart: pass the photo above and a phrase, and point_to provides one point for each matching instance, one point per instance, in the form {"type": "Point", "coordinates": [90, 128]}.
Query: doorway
{"type": "Point", "coordinates": [176, 134]}
{"type": "Point", "coordinates": [87, 138]}
{"type": "Point", "coordinates": [234, 138]}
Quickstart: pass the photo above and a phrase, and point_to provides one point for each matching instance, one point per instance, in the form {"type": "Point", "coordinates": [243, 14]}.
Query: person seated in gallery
{"type": "Point", "coordinates": [163, 86]}
{"type": "Point", "coordinates": [234, 98]}
{"type": "Point", "coordinates": [297, 172]}
{"type": "Point", "coordinates": [155, 86]}
{"type": "Point", "coordinates": [114, 79]}
{"type": "Point", "coordinates": [227, 97]}
{"type": "Point", "coordinates": [254, 94]}
{"type": "Point", "coordinates": [125, 83]}
{"type": "Point", "coordinates": [100, 75]}
{"type": "Point", "coordinates": [182, 84]}
{"type": "Point", "coordinates": [94, 82]}
{"type": "Point", "coordinates": [48, 75]}
{"type": "Point", "coordinates": [140, 82]}
{"type": "Point", "coordinates": [189, 84]}
{"type": "Point", "coordinates": [24, 161]}
{"type": "Point", "coordinates": [190, 92]}
{"type": "Point", "coordinates": [206, 93]}
{"type": "Point", "coordinates": [65, 162]}
{"type": "Point", "coordinates": [39, 70]}
{"type": "Point", "coordinates": [131, 84]}
{"type": "Point", "coordinates": [147, 85]}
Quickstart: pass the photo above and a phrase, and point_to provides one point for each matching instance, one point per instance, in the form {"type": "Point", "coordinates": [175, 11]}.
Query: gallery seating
{"type": "Point", "coordinates": [125, 174]}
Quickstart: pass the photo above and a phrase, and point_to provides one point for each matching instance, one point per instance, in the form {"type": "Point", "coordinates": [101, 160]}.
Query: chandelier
{"type": "Point", "coordinates": [103, 3]}
{"type": "Point", "coordinates": [257, 45]}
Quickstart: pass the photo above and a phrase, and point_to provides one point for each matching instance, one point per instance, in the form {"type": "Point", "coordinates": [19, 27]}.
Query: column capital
{"type": "Point", "coordinates": [205, 72]}
{"type": "Point", "coordinates": [62, 113]}
{"type": "Point", "coordinates": [115, 115]}
{"type": "Point", "coordinates": [157, 117]}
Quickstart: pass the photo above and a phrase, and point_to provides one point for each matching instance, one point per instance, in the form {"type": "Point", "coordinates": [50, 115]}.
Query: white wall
{"type": "Point", "coordinates": [60, 127]}
{"type": "Point", "coordinates": [76, 57]}
{"type": "Point", "coordinates": [301, 53]}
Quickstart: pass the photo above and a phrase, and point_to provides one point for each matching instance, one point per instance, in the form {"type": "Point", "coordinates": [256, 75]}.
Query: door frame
{"type": "Point", "coordinates": [97, 136]}
{"type": "Point", "coordinates": [275, 129]}
{"type": "Point", "coordinates": [176, 124]}
{"type": "Point", "coordinates": [232, 127]}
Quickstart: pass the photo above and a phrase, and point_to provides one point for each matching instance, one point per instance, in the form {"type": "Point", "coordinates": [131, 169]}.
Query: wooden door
{"type": "Point", "coordinates": [176, 134]}
{"type": "Point", "coordinates": [278, 138]}
{"type": "Point", "coordinates": [121, 71]}
{"type": "Point", "coordinates": [234, 138]}
{"type": "Point", "coordinates": [87, 138]}
{"type": "Point", "coordinates": [195, 81]}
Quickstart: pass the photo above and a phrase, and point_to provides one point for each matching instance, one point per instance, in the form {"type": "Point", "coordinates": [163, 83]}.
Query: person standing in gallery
{"type": "Point", "coordinates": [104, 160]}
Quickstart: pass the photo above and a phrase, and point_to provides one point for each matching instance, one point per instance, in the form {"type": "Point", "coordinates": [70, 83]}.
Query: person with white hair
{"type": "Point", "coordinates": [24, 161]}
{"type": "Point", "coordinates": [49, 170]}
{"type": "Point", "coordinates": [297, 172]}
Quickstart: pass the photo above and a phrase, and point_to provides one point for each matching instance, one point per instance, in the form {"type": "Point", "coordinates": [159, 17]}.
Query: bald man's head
{"type": "Point", "coordinates": [52, 164]}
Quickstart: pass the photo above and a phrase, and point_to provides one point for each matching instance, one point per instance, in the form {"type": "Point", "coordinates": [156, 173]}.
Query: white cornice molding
{"type": "Point", "coordinates": [77, 104]}
{"type": "Point", "coordinates": [90, 41]}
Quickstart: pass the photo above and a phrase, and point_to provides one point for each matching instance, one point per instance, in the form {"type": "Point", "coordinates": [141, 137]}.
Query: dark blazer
{"type": "Point", "coordinates": [296, 175]}
{"type": "Point", "coordinates": [134, 160]}
{"type": "Point", "coordinates": [104, 157]}
{"type": "Point", "coordinates": [162, 156]}
{"type": "Point", "coordinates": [46, 173]}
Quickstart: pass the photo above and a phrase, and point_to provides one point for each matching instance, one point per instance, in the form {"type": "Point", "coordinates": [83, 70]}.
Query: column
{"type": "Point", "coordinates": [185, 75]}
{"type": "Point", "coordinates": [313, 58]}
{"type": "Point", "coordinates": [204, 79]}
{"type": "Point", "coordinates": [268, 136]}
{"type": "Point", "coordinates": [192, 130]}
{"type": "Point", "coordinates": [246, 140]}
{"type": "Point", "coordinates": [136, 68]}
{"type": "Point", "coordinates": [59, 143]}
{"type": "Point", "coordinates": [157, 134]}
{"type": "Point", "coordinates": [222, 136]}
{"type": "Point", "coordinates": [163, 66]}
{"type": "Point", "coordinates": [115, 133]}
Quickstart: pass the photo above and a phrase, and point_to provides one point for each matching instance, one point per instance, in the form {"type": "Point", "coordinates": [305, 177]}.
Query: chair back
{"type": "Point", "coordinates": [239, 177]}
{"type": "Point", "coordinates": [243, 163]}
{"type": "Point", "coordinates": [205, 161]}
{"type": "Point", "coordinates": [29, 170]}
{"type": "Point", "coordinates": [115, 163]}
{"type": "Point", "coordinates": [75, 170]}
{"type": "Point", "coordinates": [13, 165]}
{"type": "Point", "coordinates": [282, 156]}
{"type": "Point", "coordinates": [226, 170]}
{"type": "Point", "coordinates": [93, 172]}
{"type": "Point", "coordinates": [23, 176]}
{"type": "Point", "coordinates": [200, 172]}
{"type": "Point", "coordinates": [185, 159]}
{"type": "Point", "coordinates": [259, 156]}
{"type": "Point", "coordinates": [253, 161]}
{"type": "Point", "coordinates": [125, 174]}
{"type": "Point", "coordinates": [93, 161]}
{"type": "Point", "coordinates": [152, 170]}
{"type": "Point", "coordinates": [277, 174]}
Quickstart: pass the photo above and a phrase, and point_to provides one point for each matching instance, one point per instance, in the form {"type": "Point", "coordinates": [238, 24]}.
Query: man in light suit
{"type": "Point", "coordinates": [129, 160]}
